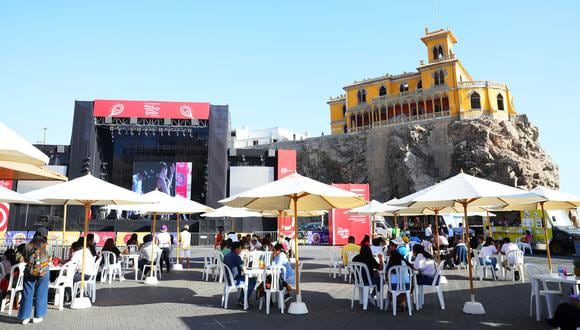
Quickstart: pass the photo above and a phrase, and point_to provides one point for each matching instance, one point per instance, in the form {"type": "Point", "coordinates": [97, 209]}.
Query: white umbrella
{"type": "Point", "coordinates": [86, 191]}
{"type": "Point", "coordinates": [463, 191]}
{"type": "Point", "coordinates": [295, 192]}
{"type": "Point", "coordinates": [372, 209]}
{"type": "Point", "coordinates": [547, 199]}
{"type": "Point", "coordinates": [15, 148]}
{"type": "Point", "coordinates": [10, 196]}
{"type": "Point", "coordinates": [164, 204]}
{"type": "Point", "coordinates": [22, 171]}
{"type": "Point", "coordinates": [231, 212]}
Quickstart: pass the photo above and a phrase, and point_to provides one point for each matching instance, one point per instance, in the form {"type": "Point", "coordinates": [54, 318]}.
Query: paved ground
{"type": "Point", "coordinates": [182, 300]}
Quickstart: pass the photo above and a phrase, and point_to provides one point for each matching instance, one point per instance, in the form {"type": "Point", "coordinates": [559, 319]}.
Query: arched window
{"type": "Point", "coordinates": [420, 85]}
{"type": "Point", "coordinates": [435, 53]}
{"type": "Point", "coordinates": [436, 78]}
{"type": "Point", "coordinates": [500, 102]}
{"type": "Point", "coordinates": [441, 77]}
{"type": "Point", "coordinates": [382, 91]}
{"type": "Point", "coordinates": [404, 87]}
{"type": "Point", "coordinates": [440, 51]}
{"type": "Point", "coordinates": [358, 96]}
{"type": "Point", "coordinates": [475, 101]}
{"type": "Point", "coordinates": [437, 108]}
{"type": "Point", "coordinates": [343, 110]}
{"type": "Point", "coordinates": [361, 96]}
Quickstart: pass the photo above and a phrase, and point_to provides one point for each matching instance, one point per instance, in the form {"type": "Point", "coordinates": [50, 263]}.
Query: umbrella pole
{"type": "Point", "coordinates": [297, 307]}
{"type": "Point", "coordinates": [396, 226]}
{"type": "Point", "coordinates": [83, 302]}
{"type": "Point", "coordinates": [437, 234]}
{"type": "Point", "coordinates": [64, 223]}
{"type": "Point", "coordinates": [488, 223]}
{"type": "Point", "coordinates": [471, 290]}
{"type": "Point", "coordinates": [545, 224]}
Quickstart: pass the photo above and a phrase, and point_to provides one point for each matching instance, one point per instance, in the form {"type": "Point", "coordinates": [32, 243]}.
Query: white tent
{"type": "Point", "coordinates": [9, 196]}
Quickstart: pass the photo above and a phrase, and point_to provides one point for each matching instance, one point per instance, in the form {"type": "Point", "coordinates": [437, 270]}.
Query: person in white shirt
{"type": "Point", "coordinates": [164, 242]}
{"type": "Point", "coordinates": [232, 235]}
{"type": "Point", "coordinates": [424, 264]}
{"type": "Point", "coordinates": [146, 252]}
{"type": "Point", "coordinates": [450, 234]}
{"type": "Point", "coordinates": [185, 243]}
{"type": "Point", "coordinates": [486, 255]}
{"type": "Point", "coordinates": [428, 232]}
{"type": "Point", "coordinates": [90, 268]}
{"type": "Point", "coordinates": [506, 248]}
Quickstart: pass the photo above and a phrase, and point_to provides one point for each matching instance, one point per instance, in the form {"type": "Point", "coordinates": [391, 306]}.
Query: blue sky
{"type": "Point", "coordinates": [276, 62]}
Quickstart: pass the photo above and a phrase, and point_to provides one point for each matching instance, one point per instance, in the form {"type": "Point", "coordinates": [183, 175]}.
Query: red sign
{"type": "Point", "coordinates": [286, 162]}
{"type": "Point", "coordinates": [342, 225]}
{"type": "Point", "coordinates": [102, 236]}
{"type": "Point", "coordinates": [4, 207]}
{"type": "Point", "coordinates": [150, 109]}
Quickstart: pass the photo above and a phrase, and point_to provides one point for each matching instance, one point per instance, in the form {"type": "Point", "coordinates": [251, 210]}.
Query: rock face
{"type": "Point", "coordinates": [398, 160]}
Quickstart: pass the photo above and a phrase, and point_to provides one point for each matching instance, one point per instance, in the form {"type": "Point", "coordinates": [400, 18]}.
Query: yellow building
{"type": "Point", "coordinates": [440, 88]}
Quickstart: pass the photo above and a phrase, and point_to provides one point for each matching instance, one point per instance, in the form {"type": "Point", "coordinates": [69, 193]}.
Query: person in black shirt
{"type": "Point", "coordinates": [366, 257]}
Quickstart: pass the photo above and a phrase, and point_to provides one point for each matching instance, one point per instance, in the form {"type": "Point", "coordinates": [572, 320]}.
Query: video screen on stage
{"type": "Point", "coordinates": [172, 178]}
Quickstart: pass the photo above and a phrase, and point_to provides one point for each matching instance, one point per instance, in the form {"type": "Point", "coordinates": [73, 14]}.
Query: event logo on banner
{"type": "Point", "coordinates": [151, 109]}
{"type": "Point", "coordinates": [183, 179]}
{"type": "Point", "coordinates": [102, 236]}
{"type": "Point", "coordinates": [342, 225]}
{"type": "Point", "coordinates": [4, 207]}
{"type": "Point", "coordinates": [286, 165]}
{"type": "Point", "coordinates": [18, 237]}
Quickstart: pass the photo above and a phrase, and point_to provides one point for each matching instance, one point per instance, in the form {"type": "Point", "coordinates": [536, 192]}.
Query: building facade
{"type": "Point", "coordinates": [440, 88]}
{"type": "Point", "coordinates": [244, 137]}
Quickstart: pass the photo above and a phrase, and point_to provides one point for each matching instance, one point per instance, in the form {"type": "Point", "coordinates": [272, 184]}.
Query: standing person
{"type": "Point", "coordinates": [35, 287]}
{"type": "Point", "coordinates": [459, 232]}
{"type": "Point", "coordinates": [235, 263]}
{"type": "Point", "coordinates": [164, 241]}
{"type": "Point", "coordinates": [450, 235]}
{"type": "Point", "coordinates": [428, 233]}
{"type": "Point", "coordinates": [185, 243]}
{"type": "Point", "coordinates": [219, 237]}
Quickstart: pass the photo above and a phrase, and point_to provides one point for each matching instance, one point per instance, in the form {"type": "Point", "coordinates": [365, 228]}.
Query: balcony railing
{"type": "Point", "coordinates": [404, 95]}
{"type": "Point", "coordinates": [481, 84]}
{"type": "Point", "coordinates": [402, 119]}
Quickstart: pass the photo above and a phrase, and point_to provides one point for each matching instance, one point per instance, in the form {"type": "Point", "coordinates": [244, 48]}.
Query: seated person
{"type": "Point", "coordinates": [460, 252]}
{"type": "Point", "coordinates": [443, 242]}
{"type": "Point", "coordinates": [281, 259]}
{"type": "Point", "coordinates": [266, 244]}
{"type": "Point", "coordinates": [402, 248]}
{"type": "Point", "coordinates": [235, 263]}
{"type": "Point", "coordinates": [377, 247]}
{"type": "Point", "coordinates": [146, 252]}
{"type": "Point", "coordinates": [350, 247]}
{"type": "Point", "coordinates": [366, 257]}
{"type": "Point", "coordinates": [255, 244]}
{"type": "Point", "coordinates": [91, 268]}
{"type": "Point", "coordinates": [134, 240]}
{"type": "Point", "coordinates": [486, 255]}
{"type": "Point", "coordinates": [396, 259]}
{"type": "Point", "coordinates": [7, 263]}
{"type": "Point", "coordinates": [506, 247]}
{"type": "Point", "coordinates": [225, 247]}
{"type": "Point", "coordinates": [527, 238]}
{"type": "Point", "coordinates": [110, 247]}
{"type": "Point", "coordinates": [91, 244]}
{"type": "Point", "coordinates": [424, 264]}
{"type": "Point", "coordinates": [567, 315]}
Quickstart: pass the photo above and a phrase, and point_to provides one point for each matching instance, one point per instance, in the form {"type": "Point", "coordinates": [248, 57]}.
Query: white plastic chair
{"type": "Point", "coordinates": [403, 275]}
{"type": "Point", "coordinates": [267, 256]}
{"type": "Point", "coordinates": [209, 267]}
{"type": "Point", "coordinates": [359, 272]}
{"type": "Point", "coordinates": [156, 266]}
{"type": "Point", "coordinates": [524, 246]}
{"type": "Point", "coordinates": [230, 285]}
{"type": "Point", "coordinates": [434, 284]}
{"type": "Point", "coordinates": [132, 248]}
{"type": "Point", "coordinates": [538, 291]}
{"type": "Point", "coordinates": [90, 284]}
{"type": "Point", "coordinates": [219, 263]}
{"type": "Point", "coordinates": [336, 263]}
{"type": "Point", "coordinates": [253, 259]}
{"type": "Point", "coordinates": [515, 261]}
{"type": "Point", "coordinates": [347, 269]}
{"type": "Point", "coordinates": [13, 288]}
{"type": "Point", "coordinates": [64, 280]}
{"type": "Point", "coordinates": [482, 267]}
{"type": "Point", "coordinates": [111, 267]}
{"type": "Point", "coordinates": [275, 272]}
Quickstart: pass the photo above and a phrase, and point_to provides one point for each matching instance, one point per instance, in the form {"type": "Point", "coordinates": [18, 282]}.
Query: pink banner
{"type": "Point", "coordinates": [102, 236]}
{"type": "Point", "coordinates": [151, 109]}
{"type": "Point", "coordinates": [342, 225]}
{"type": "Point", "coordinates": [182, 179]}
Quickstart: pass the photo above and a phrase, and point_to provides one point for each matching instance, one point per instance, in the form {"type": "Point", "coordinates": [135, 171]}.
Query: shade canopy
{"type": "Point", "coordinates": [290, 213]}
{"type": "Point", "coordinates": [374, 207]}
{"type": "Point", "coordinates": [9, 196]}
{"type": "Point", "coordinates": [22, 171]}
{"type": "Point", "coordinates": [86, 190]}
{"type": "Point", "coordinates": [460, 189]}
{"type": "Point", "coordinates": [161, 203]}
{"type": "Point", "coordinates": [15, 148]}
{"type": "Point", "coordinates": [231, 212]}
{"type": "Point", "coordinates": [552, 200]}
{"type": "Point", "coordinates": [278, 195]}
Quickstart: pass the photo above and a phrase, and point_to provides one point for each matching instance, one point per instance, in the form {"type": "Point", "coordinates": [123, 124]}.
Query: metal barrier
{"type": "Point", "coordinates": [207, 239]}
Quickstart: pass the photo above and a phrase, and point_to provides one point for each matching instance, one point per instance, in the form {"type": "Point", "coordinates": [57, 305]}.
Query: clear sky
{"type": "Point", "coordinates": [277, 62]}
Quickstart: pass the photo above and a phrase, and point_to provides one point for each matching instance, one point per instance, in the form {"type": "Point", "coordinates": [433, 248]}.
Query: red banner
{"type": "Point", "coordinates": [101, 236]}
{"type": "Point", "coordinates": [150, 109]}
{"type": "Point", "coordinates": [342, 225]}
{"type": "Point", "coordinates": [4, 207]}
{"type": "Point", "coordinates": [286, 165]}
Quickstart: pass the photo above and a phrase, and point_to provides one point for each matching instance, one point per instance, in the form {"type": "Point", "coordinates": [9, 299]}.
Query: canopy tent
{"type": "Point", "coordinates": [86, 191]}
{"type": "Point", "coordinates": [9, 196]}
{"type": "Point", "coordinates": [462, 191]}
{"type": "Point", "coordinates": [295, 192]}
{"type": "Point", "coordinates": [22, 171]}
{"type": "Point", "coordinates": [164, 204]}
{"type": "Point", "coordinates": [547, 199]}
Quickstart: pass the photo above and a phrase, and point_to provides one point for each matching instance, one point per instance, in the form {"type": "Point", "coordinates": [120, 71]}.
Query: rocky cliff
{"type": "Point", "coordinates": [398, 160]}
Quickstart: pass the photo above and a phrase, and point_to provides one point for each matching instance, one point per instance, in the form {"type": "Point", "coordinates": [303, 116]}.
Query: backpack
{"type": "Point", "coordinates": [37, 264]}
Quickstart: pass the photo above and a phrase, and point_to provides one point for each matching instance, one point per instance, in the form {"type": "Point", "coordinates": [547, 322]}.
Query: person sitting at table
{"type": "Point", "coordinates": [376, 247]}
{"type": "Point", "coordinates": [77, 258]}
{"type": "Point", "coordinates": [134, 240]}
{"type": "Point", "coordinates": [366, 257]}
{"type": "Point", "coordinates": [282, 241]}
{"type": "Point", "coordinates": [7, 263]}
{"type": "Point", "coordinates": [235, 263]}
{"type": "Point", "coordinates": [486, 255]}
{"type": "Point", "coordinates": [266, 245]}
{"type": "Point", "coordinates": [110, 247]}
{"type": "Point", "coordinates": [402, 247]}
{"type": "Point", "coordinates": [91, 244]}
{"type": "Point", "coordinates": [350, 247]}
{"type": "Point", "coordinates": [506, 247]}
{"type": "Point", "coordinates": [396, 259]}
{"type": "Point", "coordinates": [527, 238]}
{"type": "Point", "coordinates": [424, 264]}
{"type": "Point", "coordinates": [225, 247]}
{"type": "Point", "coordinates": [281, 259]}
{"type": "Point", "coordinates": [145, 252]}
{"type": "Point", "coordinates": [255, 244]}
{"type": "Point", "coordinates": [365, 241]}
{"type": "Point", "coordinates": [442, 240]}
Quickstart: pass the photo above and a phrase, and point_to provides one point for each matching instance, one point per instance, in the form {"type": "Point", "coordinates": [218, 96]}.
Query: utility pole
{"type": "Point", "coordinates": [44, 135]}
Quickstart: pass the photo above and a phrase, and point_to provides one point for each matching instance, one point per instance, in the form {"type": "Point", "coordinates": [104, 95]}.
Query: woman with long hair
{"type": "Point", "coordinates": [424, 264]}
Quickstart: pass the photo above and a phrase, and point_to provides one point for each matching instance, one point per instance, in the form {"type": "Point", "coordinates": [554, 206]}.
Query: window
{"type": "Point", "coordinates": [404, 87]}
{"type": "Point", "coordinates": [439, 77]}
{"type": "Point", "coordinates": [436, 77]}
{"type": "Point", "coordinates": [437, 108]}
{"type": "Point", "coordinates": [255, 142]}
{"type": "Point", "coordinates": [440, 51]}
{"type": "Point", "coordinates": [382, 91]}
{"type": "Point", "coordinates": [420, 85]}
{"type": "Point", "coordinates": [361, 96]}
{"type": "Point", "coordinates": [500, 102]}
{"type": "Point", "coordinates": [475, 101]}
{"type": "Point", "coordinates": [343, 110]}
{"type": "Point", "coordinates": [435, 53]}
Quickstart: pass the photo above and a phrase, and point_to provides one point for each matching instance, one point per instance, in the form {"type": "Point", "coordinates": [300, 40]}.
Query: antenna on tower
{"type": "Point", "coordinates": [44, 135]}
